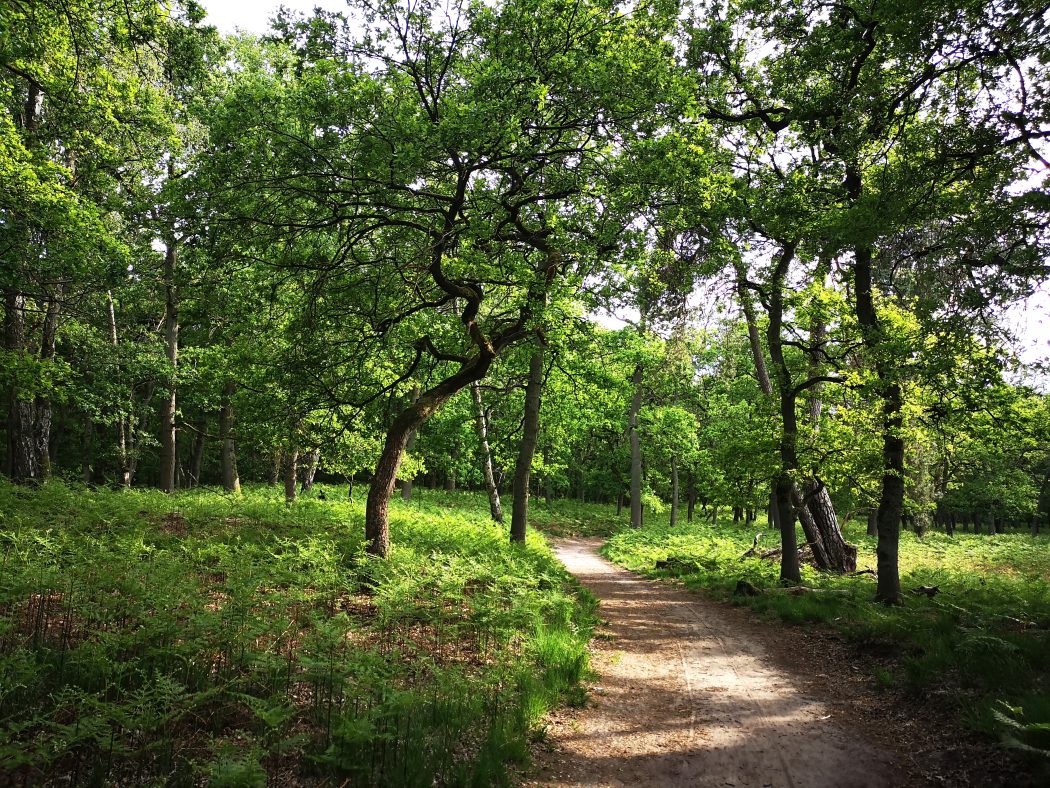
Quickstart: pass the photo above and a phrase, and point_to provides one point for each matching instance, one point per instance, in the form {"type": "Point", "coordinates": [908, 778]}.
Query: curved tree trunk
{"type": "Point", "coordinates": [377, 521]}
{"type": "Point", "coordinates": [481, 424]}
{"type": "Point", "coordinates": [530, 433]}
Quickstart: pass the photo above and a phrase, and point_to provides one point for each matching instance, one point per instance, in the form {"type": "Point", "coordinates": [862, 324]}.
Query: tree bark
{"type": "Point", "coordinates": [21, 458]}
{"type": "Point", "coordinates": [690, 492]}
{"type": "Point", "coordinates": [42, 411]}
{"type": "Point", "coordinates": [406, 484]}
{"type": "Point", "coordinates": [197, 452]}
{"type": "Point", "coordinates": [485, 453]}
{"type": "Point", "coordinates": [530, 433]}
{"type": "Point", "coordinates": [231, 481]}
{"type": "Point", "coordinates": [636, 449]}
{"type": "Point", "coordinates": [891, 502]}
{"type": "Point", "coordinates": [377, 524]}
{"type": "Point", "coordinates": [171, 343]}
{"type": "Point", "coordinates": [814, 509]}
{"type": "Point", "coordinates": [674, 490]}
{"type": "Point", "coordinates": [313, 460]}
{"type": "Point", "coordinates": [123, 423]}
{"type": "Point", "coordinates": [291, 472]}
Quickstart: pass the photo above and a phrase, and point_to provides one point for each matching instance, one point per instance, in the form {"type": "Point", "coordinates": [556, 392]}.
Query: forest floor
{"type": "Point", "coordinates": [690, 691]}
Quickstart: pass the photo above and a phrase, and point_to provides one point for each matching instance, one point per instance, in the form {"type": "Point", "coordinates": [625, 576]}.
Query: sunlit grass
{"type": "Point", "coordinates": [146, 637]}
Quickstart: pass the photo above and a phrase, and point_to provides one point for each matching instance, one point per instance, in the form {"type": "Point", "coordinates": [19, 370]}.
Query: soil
{"type": "Point", "coordinates": [693, 692]}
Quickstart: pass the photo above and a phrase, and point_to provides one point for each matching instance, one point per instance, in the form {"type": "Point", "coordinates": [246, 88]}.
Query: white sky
{"type": "Point", "coordinates": [253, 16]}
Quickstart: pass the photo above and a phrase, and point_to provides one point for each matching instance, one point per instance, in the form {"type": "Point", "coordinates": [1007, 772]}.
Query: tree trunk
{"type": "Point", "coordinates": [87, 468]}
{"type": "Point", "coordinates": [122, 423]}
{"type": "Point", "coordinates": [674, 490]}
{"type": "Point", "coordinates": [873, 522]}
{"type": "Point", "coordinates": [485, 454]}
{"type": "Point", "coordinates": [313, 460]}
{"type": "Point", "coordinates": [275, 467]}
{"type": "Point", "coordinates": [891, 502]}
{"type": "Point", "coordinates": [197, 452]}
{"type": "Point", "coordinates": [784, 521]}
{"type": "Point", "coordinates": [291, 472]}
{"type": "Point", "coordinates": [406, 484]}
{"type": "Point", "coordinates": [42, 411]}
{"type": "Point", "coordinates": [690, 493]}
{"type": "Point", "coordinates": [231, 481]}
{"type": "Point", "coordinates": [21, 459]}
{"type": "Point", "coordinates": [450, 478]}
{"type": "Point", "coordinates": [815, 511]}
{"type": "Point", "coordinates": [530, 433]}
{"type": "Point", "coordinates": [636, 449]}
{"type": "Point", "coordinates": [377, 523]}
{"type": "Point", "coordinates": [171, 342]}
{"type": "Point", "coordinates": [838, 554]}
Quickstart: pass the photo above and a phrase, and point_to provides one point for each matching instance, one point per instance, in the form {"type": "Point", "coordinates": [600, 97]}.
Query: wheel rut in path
{"type": "Point", "coordinates": [688, 697]}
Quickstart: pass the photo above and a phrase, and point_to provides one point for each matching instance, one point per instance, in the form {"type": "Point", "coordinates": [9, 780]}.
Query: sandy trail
{"type": "Point", "coordinates": [687, 696]}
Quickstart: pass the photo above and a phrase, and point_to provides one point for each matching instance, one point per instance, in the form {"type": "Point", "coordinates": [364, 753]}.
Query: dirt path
{"type": "Point", "coordinates": [688, 697]}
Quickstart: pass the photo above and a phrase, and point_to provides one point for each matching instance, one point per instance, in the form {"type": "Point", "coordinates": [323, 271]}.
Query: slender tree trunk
{"type": "Point", "coordinates": [87, 468]}
{"type": "Point", "coordinates": [277, 458]}
{"type": "Point", "coordinates": [231, 480]}
{"type": "Point", "coordinates": [814, 509]}
{"type": "Point", "coordinates": [197, 452]}
{"type": "Point", "coordinates": [136, 432]}
{"type": "Point", "coordinates": [485, 454]}
{"type": "Point", "coordinates": [21, 464]}
{"type": "Point", "coordinates": [406, 484]}
{"type": "Point", "coordinates": [530, 433]}
{"type": "Point", "coordinates": [674, 490]}
{"type": "Point", "coordinates": [171, 342]}
{"type": "Point", "coordinates": [636, 449]}
{"type": "Point", "coordinates": [690, 493]}
{"type": "Point", "coordinates": [123, 423]}
{"type": "Point", "coordinates": [450, 477]}
{"type": "Point", "coordinates": [42, 411]}
{"type": "Point", "coordinates": [891, 502]}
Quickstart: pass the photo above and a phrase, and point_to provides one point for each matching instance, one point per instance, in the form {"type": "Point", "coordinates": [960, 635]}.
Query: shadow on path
{"type": "Point", "coordinates": [685, 698]}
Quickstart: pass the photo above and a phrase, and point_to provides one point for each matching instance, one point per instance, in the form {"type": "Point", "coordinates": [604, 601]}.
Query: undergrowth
{"type": "Point", "coordinates": [205, 638]}
{"type": "Point", "coordinates": [984, 637]}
